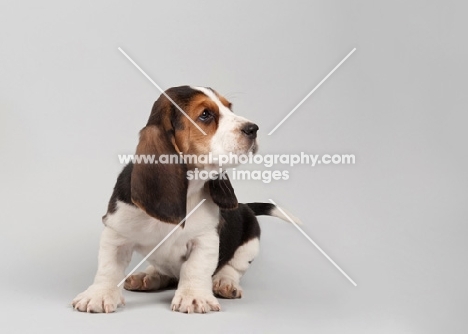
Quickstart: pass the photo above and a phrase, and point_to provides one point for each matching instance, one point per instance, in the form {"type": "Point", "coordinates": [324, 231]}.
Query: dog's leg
{"type": "Point", "coordinates": [226, 282]}
{"type": "Point", "coordinates": [103, 295]}
{"type": "Point", "coordinates": [149, 280]}
{"type": "Point", "coordinates": [194, 292]}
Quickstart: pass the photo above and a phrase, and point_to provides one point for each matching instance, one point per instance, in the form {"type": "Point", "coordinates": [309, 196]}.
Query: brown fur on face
{"type": "Point", "coordinates": [187, 138]}
{"type": "Point", "coordinates": [191, 140]}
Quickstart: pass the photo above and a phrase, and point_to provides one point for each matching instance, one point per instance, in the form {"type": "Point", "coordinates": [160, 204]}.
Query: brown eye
{"type": "Point", "coordinates": [205, 115]}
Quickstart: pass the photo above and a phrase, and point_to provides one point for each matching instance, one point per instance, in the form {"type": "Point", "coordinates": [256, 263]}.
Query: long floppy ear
{"type": "Point", "coordinates": [222, 192]}
{"type": "Point", "coordinates": [159, 189]}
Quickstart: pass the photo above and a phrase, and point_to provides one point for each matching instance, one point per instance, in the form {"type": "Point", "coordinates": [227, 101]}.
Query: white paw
{"type": "Point", "coordinates": [226, 287]}
{"type": "Point", "coordinates": [98, 299]}
{"type": "Point", "coordinates": [189, 301]}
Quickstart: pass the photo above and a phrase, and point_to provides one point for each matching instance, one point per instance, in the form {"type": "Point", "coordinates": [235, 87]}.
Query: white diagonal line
{"type": "Point", "coordinates": [161, 242]}
{"type": "Point", "coordinates": [313, 90]}
{"type": "Point", "coordinates": [313, 243]}
{"type": "Point", "coordinates": [163, 92]}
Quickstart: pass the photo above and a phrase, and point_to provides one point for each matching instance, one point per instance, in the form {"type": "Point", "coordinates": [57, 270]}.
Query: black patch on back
{"type": "Point", "coordinates": [236, 228]}
{"type": "Point", "coordinates": [122, 191]}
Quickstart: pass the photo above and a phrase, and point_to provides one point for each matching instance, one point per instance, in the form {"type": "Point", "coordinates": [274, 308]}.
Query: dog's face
{"type": "Point", "coordinates": [229, 133]}
{"type": "Point", "coordinates": [225, 131]}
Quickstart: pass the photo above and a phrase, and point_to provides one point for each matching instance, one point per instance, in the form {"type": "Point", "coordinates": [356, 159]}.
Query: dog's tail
{"type": "Point", "coordinates": [269, 209]}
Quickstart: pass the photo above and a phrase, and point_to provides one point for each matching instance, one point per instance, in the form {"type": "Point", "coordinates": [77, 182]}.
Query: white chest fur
{"type": "Point", "coordinates": [145, 232]}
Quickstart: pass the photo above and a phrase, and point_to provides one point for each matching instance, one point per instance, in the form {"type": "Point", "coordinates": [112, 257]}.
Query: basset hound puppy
{"type": "Point", "coordinates": [214, 247]}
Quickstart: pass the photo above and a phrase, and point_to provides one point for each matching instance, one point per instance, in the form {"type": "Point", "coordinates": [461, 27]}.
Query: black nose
{"type": "Point", "coordinates": [250, 130]}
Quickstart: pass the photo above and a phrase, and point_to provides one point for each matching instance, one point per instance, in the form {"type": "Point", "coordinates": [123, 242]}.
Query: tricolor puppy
{"type": "Point", "coordinates": [210, 252]}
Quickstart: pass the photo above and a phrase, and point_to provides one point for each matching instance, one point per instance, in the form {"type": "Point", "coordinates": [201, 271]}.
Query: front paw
{"type": "Point", "coordinates": [98, 299]}
{"type": "Point", "coordinates": [189, 301]}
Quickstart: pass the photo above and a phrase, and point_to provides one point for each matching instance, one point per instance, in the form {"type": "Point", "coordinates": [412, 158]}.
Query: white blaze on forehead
{"type": "Point", "coordinates": [208, 92]}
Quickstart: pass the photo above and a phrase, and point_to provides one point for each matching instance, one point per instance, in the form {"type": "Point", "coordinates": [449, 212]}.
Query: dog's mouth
{"type": "Point", "coordinates": [253, 148]}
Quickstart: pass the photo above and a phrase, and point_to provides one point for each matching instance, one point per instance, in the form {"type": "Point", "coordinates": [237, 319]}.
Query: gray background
{"type": "Point", "coordinates": [395, 221]}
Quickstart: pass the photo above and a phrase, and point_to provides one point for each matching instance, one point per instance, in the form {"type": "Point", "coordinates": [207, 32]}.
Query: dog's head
{"type": "Point", "coordinates": [161, 189]}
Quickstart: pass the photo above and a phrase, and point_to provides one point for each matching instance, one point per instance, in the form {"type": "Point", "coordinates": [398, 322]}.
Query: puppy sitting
{"type": "Point", "coordinates": [215, 246]}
